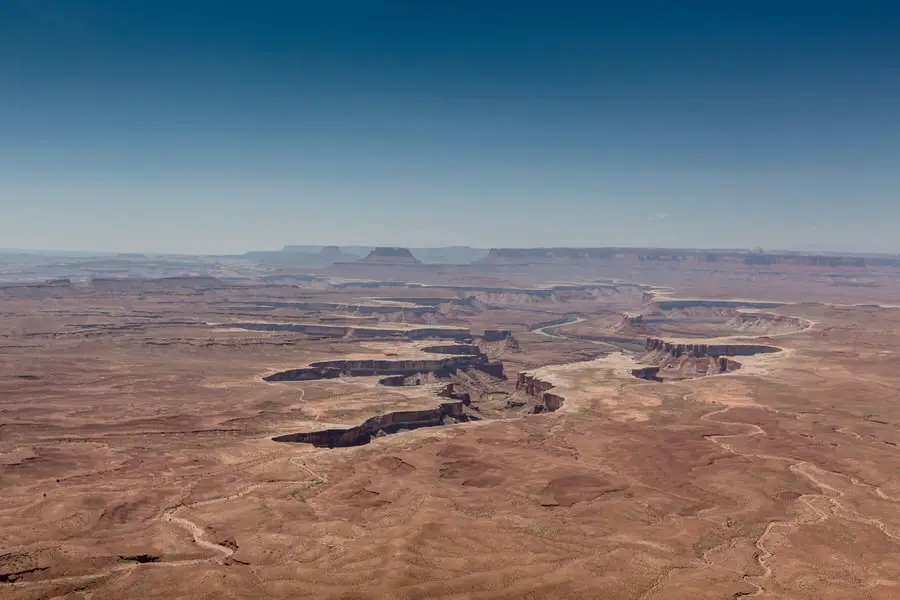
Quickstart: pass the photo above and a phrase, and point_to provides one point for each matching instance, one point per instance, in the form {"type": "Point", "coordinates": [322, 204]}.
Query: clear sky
{"type": "Point", "coordinates": [221, 126]}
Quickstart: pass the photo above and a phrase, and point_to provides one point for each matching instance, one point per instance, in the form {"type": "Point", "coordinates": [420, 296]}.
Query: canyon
{"type": "Point", "coordinates": [546, 423]}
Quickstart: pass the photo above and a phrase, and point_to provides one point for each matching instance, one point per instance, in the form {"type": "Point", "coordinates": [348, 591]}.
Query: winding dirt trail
{"type": "Point", "coordinates": [830, 496]}
{"type": "Point", "coordinates": [197, 533]}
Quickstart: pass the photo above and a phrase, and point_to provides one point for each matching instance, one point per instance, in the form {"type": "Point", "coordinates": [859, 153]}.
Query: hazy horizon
{"type": "Point", "coordinates": [211, 128]}
{"type": "Point", "coordinates": [88, 252]}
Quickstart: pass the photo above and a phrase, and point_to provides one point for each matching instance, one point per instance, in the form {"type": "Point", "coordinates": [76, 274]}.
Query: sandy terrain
{"type": "Point", "coordinates": [137, 458]}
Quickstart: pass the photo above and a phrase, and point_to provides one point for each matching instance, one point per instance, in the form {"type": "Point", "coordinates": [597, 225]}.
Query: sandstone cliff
{"type": "Point", "coordinates": [445, 414]}
{"type": "Point", "coordinates": [687, 359]}
{"type": "Point", "coordinates": [701, 350]}
{"type": "Point", "coordinates": [348, 331]}
{"type": "Point", "coordinates": [767, 323]}
{"type": "Point", "coordinates": [539, 392]}
{"type": "Point", "coordinates": [441, 367]}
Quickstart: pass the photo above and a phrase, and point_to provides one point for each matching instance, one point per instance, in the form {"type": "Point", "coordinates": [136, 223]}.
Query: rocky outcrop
{"type": "Point", "coordinates": [767, 323]}
{"type": "Point", "coordinates": [445, 414]}
{"type": "Point", "coordinates": [449, 391]}
{"type": "Point", "coordinates": [346, 331]}
{"type": "Point", "coordinates": [700, 350]}
{"type": "Point", "coordinates": [538, 391]}
{"type": "Point", "coordinates": [648, 373]}
{"type": "Point", "coordinates": [496, 335]}
{"type": "Point", "coordinates": [457, 349]}
{"type": "Point", "coordinates": [346, 307]}
{"type": "Point", "coordinates": [391, 256]}
{"type": "Point", "coordinates": [333, 254]}
{"type": "Point", "coordinates": [679, 360]}
{"type": "Point", "coordinates": [631, 325]}
{"type": "Point", "coordinates": [525, 256]}
{"type": "Point", "coordinates": [54, 287]}
{"type": "Point", "coordinates": [679, 303]}
{"type": "Point", "coordinates": [440, 367]}
{"type": "Point", "coordinates": [132, 284]}
{"type": "Point", "coordinates": [546, 255]}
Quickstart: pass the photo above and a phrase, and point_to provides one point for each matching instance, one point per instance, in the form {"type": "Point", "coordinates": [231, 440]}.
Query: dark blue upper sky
{"type": "Point", "coordinates": [207, 126]}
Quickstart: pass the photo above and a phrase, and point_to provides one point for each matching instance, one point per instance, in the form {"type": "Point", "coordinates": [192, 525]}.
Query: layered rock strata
{"type": "Point", "coordinates": [440, 367]}
{"type": "Point", "coordinates": [347, 331]}
{"type": "Point", "coordinates": [540, 392]}
{"type": "Point", "coordinates": [446, 414]}
{"type": "Point", "coordinates": [700, 350]}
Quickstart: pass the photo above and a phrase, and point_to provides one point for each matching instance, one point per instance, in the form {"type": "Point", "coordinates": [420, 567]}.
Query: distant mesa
{"type": "Point", "coordinates": [546, 255]}
{"type": "Point", "coordinates": [386, 255]}
{"type": "Point", "coordinates": [334, 254]}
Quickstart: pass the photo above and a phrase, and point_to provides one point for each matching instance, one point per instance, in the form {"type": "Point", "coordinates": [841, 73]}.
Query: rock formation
{"type": "Point", "coordinates": [631, 325]}
{"type": "Point", "coordinates": [333, 254]}
{"type": "Point", "coordinates": [348, 331]}
{"type": "Point", "coordinates": [391, 256]}
{"type": "Point", "coordinates": [496, 335]}
{"type": "Point", "coordinates": [648, 373]}
{"type": "Point", "coordinates": [538, 391]}
{"type": "Point", "coordinates": [440, 367]}
{"type": "Point", "coordinates": [445, 414]}
{"type": "Point", "coordinates": [509, 256]}
{"type": "Point", "coordinates": [686, 359]}
{"type": "Point", "coordinates": [700, 350]}
{"type": "Point", "coordinates": [767, 323]}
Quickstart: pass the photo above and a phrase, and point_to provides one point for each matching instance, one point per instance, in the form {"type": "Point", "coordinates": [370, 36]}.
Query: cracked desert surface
{"type": "Point", "coordinates": [469, 432]}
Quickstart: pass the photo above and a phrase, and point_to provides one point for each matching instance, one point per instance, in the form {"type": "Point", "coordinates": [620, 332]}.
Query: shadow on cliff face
{"type": "Point", "coordinates": [453, 358]}
{"type": "Point", "coordinates": [531, 396]}
{"type": "Point", "coordinates": [669, 361]}
{"type": "Point", "coordinates": [448, 413]}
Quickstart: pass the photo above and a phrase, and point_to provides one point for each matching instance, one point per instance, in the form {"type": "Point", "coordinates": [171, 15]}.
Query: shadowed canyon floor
{"type": "Point", "coordinates": [138, 426]}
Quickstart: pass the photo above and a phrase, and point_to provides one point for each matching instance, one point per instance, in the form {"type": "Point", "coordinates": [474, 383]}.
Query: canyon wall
{"type": "Point", "coordinates": [675, 303]}
{"type": "Point", "coordinates": [496, 335]}
{"type": "Point", "coordinates": [700, 350]}
{"type": "Point", "coordinates": [345, 331]}
{"type": "Point", "coordinates": [648, 373]}
{"type": "Point", "coordinates": [680, 360]}
{"type": "Point", "coordinates": [767, 323]}
{"type": "Point", "coordinates": [441, 367]}
{"type": "Point", "coordinates": [539, 391]}
{"type": "Point", "coordinates": [445, 414]}
{"type": "Point", "coordinates": [513, 256]}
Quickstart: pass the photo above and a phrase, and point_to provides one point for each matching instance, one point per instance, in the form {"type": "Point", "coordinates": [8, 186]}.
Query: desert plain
{"type": "Point", "coordinates": [531, 425]}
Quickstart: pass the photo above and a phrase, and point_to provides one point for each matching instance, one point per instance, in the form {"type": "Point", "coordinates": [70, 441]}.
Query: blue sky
{"type": "Point", "coordinates": [212, 127]}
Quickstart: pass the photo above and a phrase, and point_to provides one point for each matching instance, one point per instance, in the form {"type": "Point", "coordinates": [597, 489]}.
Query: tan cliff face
{"type": "Point", "coordinates": [538, 391]}
{"type": "Point", "coordinates": [687, 359]}
{"type": "Point", "coordinates": [767, 323]}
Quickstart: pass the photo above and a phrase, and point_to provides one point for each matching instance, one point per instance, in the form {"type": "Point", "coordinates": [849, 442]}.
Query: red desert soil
{"type": "Point", "coordinates": [137, 457]}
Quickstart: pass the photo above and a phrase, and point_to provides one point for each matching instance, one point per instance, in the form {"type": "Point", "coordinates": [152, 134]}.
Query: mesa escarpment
{"type": "Point", "coordinates": [676, 360]}
{"type": "Point", "coordinates": [746, 259]}
{"type": "Point", "coordinates": [396, 331]}
{"type": "Point", "coordinates": [538, 391]}
{"type": "Point", "coordinates": [392, 256]}
{"type": "Point", "coordinates": [703, 350]}
{"type": "Point", "coordinates": [374, 367]}
{"type": "Point", "coordinates": [453, 358]}
{"type": "Point", "coordinates": [682, 303]}
{"type": "Point", "coordinates": [447, 413]}
{"type": "Point", "coordinates": [767, 323]}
